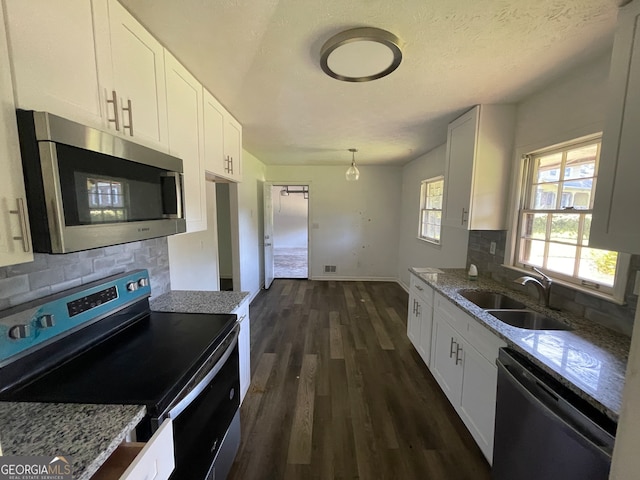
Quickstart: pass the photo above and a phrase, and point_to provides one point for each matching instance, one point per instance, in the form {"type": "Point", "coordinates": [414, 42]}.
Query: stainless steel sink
{"type": "Point", "coordinates": [491, 300]}
{"type": "Point", "coordinates": [528, 319]}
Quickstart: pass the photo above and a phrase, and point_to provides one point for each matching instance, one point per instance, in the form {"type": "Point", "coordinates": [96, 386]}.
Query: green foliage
{"type": "Point", "coordinates": [605, 261]}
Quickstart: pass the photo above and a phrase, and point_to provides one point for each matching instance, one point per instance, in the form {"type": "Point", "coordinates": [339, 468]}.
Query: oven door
{"type": "Point", "coordinates": [206, 426]}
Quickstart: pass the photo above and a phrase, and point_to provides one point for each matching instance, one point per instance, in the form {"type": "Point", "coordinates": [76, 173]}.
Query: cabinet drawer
{"type": "Point", "coordinates": [421, 290]}
{"type": "Point", "coordinates": [453, 315]}
{"type": "Point", "coordinates": [153, 460]}
{"type": "Point", "coordinates": [484, 341]}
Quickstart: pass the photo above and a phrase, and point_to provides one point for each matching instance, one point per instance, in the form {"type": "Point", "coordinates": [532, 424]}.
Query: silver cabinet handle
{"type": "Point", "coordinates": [418, 308]}
{"type": "Point", "coordinates": [267, 244]}
{"type": "Point", "coordinates": [465, 216]}
{"type": "Point", "coordinates": [128, 109]}
{"type": "Point", "coordinates": [24, 228]}
{"type": "Point", "coordinates": [458, 357]}
{"type": "Point", "coordinates": [116, 117]}
{"type": "Point", "coordinates": [453, 342]}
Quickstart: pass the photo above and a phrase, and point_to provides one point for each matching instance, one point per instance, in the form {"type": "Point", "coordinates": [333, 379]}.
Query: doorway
{"type": "Point", "coordinates": [290, 231]}
{"type": "Point", "coordinates": [225, 249]}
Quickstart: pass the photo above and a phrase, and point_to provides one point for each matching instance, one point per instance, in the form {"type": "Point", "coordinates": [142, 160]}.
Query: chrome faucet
{"type": "Point", "coordinates": [543, 286]}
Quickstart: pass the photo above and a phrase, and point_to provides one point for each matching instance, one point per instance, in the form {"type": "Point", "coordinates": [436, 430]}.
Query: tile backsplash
{"type": "Point", "coordinates": [49, 274]}
{"type": "Point", "coordinates": [611, 315]}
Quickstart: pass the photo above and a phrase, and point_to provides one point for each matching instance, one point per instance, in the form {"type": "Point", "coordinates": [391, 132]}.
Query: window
{"type": "Point", "coordinates": [431, 209]}
{"type": "Point", "coordinates": [555, 217]}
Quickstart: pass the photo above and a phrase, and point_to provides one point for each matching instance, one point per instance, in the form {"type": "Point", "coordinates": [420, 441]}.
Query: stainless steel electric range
{"type": "Point", "coordinates": [100, 343]}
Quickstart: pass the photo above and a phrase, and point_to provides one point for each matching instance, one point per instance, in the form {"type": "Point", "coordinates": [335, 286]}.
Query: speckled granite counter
{"type": "Point", "coordinates": [87, 433]}
{"type": "Point", "coordinates": [189, 301]}
{"type": "Point", "coordinates": [589, 359]}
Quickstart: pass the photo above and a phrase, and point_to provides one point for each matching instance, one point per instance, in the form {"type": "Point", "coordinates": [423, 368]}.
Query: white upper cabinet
{"type": "Point", "coordinates": [184, 108]}
{"type": "Point", "coordinates": [614, 226]}
{"type": "Point", "coordinates": [131, 70]}
{"type": "Point", "coordinates": [479, 151]}
{"type": "Point", "coordinates": [222, 140]}
{"type": "Point", "coordinates": [233, 148]}
{"type": "Point", "coordinates": [53, 58]}
{"type": "Point", "coordinates": [214, 118]}
{"type": "Point", "coordinates": [15, 241]}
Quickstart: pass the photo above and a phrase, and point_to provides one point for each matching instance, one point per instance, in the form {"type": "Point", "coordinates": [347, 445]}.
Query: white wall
{"type": "Point", "coordinates": [572, 107]}
{"type": "Point", "coordinates": [354, 225]}
{"type": "Point", "coordinates": [193, 257]}
{"type": "Point", "coordinates": [290, 219]}
{"type": "Point", "coordinates": [413, 252]}
{"type": "Point", "coordinates": [250, 224]}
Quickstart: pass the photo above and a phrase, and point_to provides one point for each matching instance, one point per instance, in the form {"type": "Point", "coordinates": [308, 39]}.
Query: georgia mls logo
{"type": "Point", "coordinates": [36, 468]}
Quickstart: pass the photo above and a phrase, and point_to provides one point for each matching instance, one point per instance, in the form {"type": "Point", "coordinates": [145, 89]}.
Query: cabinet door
{"type": "Point", "coordinates": [413, 321]}
{"type": "Point", "coordinates": [461, 145]}
{"type": "Point", "coordinates": [447, 359]}
{"type": "Point", "coordinates": [184, 107]}
{"type": "Point", "coordinates": [233, 147]}
{"type": "Point", "coordinates": [214, 119]}
{"type": "Point", "coordinates": [53, 58]}
{"type": "Point", "coordinates": [425, 311]}
{"type": "Point", "coordinates": [478, 399]}
{"type": "Point", "coordinates": [138, 75]}
{"type": "Point", "coordinates": [614, 225]}
{"type": "Point", "coordinates": [15, 244]}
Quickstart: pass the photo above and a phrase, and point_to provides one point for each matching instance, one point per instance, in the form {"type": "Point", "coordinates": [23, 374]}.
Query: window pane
{"type": "Point", "coordinates": [581, 162]}
{"type": "Point", "coordinates": [572, 189]}
{"type": "Point", "coordinates": [564, 227]}
{"type": "Point", "coordinates": [532, 252]}
{"type": "Point", "coordinates": [544, 196]}
{"type": "Point", "coordinates": [548, 168]}
{"type": "Point", "coordinates": [534, 225]}
{"type": "Point", "coordinates": [561, 258]}
{"type": "Point", "coordinates": [598, 266]}
{"type": "Point", "coordinates": [587, 229]}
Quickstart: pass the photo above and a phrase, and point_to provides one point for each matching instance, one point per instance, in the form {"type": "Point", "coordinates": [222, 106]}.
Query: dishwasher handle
{"type": "Point", "coordinates": [582, 428]}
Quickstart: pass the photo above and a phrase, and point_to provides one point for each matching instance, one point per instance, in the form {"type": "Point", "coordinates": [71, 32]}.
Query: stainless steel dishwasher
{"type": "Point", "coordinates": [543, 430]}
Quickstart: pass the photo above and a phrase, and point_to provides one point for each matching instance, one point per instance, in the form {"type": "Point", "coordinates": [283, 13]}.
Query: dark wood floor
{"type": "Point", "coordinates": [339, 392]}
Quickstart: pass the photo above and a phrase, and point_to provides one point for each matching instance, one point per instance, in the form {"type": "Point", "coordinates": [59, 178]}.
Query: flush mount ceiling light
{"type": "Point", "coordinates": [352, 174]}
{"type": "Point", "coordinates": [361, 54]}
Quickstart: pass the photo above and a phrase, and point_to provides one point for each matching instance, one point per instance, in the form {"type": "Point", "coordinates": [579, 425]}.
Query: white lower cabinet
{"type": "Point", "coordinates": [244, 347]}
{"type": "Point", "coordinates": [419, 317]}
{"type": "Point", "coordinates": [135, 461]}
{"type": "Point", "coordinates": [463, 356]}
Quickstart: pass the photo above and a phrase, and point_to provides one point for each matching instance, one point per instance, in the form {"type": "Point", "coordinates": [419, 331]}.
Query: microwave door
{"type": "Point", "coordinates": [55, 225]}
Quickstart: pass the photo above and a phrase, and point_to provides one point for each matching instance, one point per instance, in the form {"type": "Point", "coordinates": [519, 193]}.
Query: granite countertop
{"type": "Point", "coordinates": [589, 359]}
{"type": "Point", "coordinates": [86, 433]}
{"type": "Point", "coordinates": [190, 301]}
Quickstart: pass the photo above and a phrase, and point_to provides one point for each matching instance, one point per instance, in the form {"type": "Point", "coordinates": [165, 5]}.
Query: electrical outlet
{"type": "Point", "coordinates": [492, 248]}
{"type": "Point", "coordinates": [636, 287]}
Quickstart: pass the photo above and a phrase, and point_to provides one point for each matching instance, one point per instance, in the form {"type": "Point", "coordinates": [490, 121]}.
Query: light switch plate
{"type": "Point", "coordinates": [492, 248]}
{"type": "Point", "coordinates": [636, 287]}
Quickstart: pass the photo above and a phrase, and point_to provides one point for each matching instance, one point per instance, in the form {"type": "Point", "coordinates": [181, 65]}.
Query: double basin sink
{"type": "Point", "coordinates": [512, 312]}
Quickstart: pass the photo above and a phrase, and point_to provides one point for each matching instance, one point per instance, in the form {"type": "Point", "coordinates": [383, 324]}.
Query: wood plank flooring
{"type": "Point", "coordinates": [339, 392]}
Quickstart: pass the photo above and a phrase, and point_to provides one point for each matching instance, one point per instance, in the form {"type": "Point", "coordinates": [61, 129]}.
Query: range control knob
{"type": "Point", "coordinates": [20, 331]}
{"type": "Point", "coordinates": [46, 321]}
{"type": "Point", "coordinates": [143, 282]}
{"type": "Point", "coordinates": [132, 286]}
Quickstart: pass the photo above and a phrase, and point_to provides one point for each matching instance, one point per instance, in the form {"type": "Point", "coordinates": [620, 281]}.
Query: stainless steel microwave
{"type": "Point", "coordinates": [88, 189]}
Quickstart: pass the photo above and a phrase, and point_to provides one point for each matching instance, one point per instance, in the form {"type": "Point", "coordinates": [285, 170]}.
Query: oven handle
{"type": "Point", "coordinates": [183, 403]}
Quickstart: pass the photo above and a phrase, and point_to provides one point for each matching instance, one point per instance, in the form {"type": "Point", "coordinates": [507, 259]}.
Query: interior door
{"type": "Point", "coordinates": [268, 235]}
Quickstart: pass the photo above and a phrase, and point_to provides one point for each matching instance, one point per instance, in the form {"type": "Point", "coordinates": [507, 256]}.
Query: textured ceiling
{"type": "Point", "coordinates": [260, 58]}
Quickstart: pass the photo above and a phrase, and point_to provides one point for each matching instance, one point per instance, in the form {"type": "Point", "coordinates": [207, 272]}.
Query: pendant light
{"type": "Point", "coordinates": [352, 173]}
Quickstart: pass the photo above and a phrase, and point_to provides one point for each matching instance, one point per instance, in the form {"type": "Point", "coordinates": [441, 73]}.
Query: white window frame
{"type": "Point", "coordinates": [423, 209]}
{"type": "Point", "coordinates": [522, 184]}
